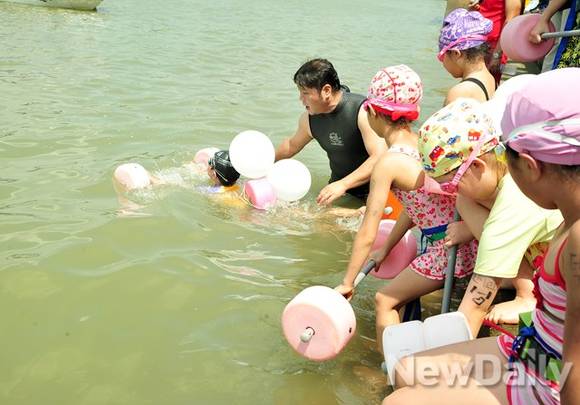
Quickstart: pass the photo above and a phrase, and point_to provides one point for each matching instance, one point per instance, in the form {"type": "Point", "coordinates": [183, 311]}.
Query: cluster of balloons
{"type": "Point", "coordinates": [252, 155]}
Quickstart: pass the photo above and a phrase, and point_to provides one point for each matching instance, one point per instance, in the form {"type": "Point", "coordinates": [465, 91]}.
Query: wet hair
{"type": "Point", "coordinates": [315, 74]}
{"type": "Point", "coordinates": [477, 52]}
{"type": "Point", "coordinates": [571, 172]}
{"type": "Point", "coordinates": [399, 123]}
{"type": "Point", "coordinates": [224, 170]}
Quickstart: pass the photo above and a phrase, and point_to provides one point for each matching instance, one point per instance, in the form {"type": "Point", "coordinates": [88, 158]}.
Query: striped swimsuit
{"type": "Point", "coordinates": [525, 384]}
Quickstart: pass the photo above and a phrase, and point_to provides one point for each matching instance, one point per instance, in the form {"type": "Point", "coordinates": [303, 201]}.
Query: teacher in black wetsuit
{"type": "Point", "coordinates": [336, 119]}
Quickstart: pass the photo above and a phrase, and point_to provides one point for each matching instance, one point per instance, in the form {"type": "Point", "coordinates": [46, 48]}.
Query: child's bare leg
{"type": "Point", "coordinates": [407, 286]}
{"type": "Point", "coordinates": [469, 372]}
{"type": "Point", "coordinates": [508, 312]}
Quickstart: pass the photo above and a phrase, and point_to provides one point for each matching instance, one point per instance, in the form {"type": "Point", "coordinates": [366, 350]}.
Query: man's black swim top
{"type": "Point", "coordinates": [338, 134]}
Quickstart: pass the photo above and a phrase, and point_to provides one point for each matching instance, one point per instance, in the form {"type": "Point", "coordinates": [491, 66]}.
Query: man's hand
{"type": "Point", "coordinates": [536, 32]}
{"type": "Point", "coordinates": [331, 192]}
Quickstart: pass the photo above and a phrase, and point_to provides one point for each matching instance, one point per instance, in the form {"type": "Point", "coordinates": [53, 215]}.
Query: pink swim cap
{"type": "Point", "coordinates": [543, 119]}
{"type": "Point", "coordinates": [397, 92]}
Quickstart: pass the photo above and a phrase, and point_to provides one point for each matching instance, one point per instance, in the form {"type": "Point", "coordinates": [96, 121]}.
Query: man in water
{"type": "Point", "coordinates": [336, 119]}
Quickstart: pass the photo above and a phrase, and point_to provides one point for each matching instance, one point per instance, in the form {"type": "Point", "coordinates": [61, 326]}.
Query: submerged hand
{"type": "Point", "coordinates": [331, 192]}
{"type": "Point", "coordinates": [347, 291]}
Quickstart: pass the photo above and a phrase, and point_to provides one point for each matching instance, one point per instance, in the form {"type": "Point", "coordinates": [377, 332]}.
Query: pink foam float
{"type": "Point", "coordinates": [204, 155]}
{"type": "Point", "coordinates": [132, 176]}
{"type": "Point", "coordinates": [400, 256]}
{"type": "Point", "coordinates": [260, 193]}
{"type": "Point", "coordinates": [319, 322]}
{"type": "Point", "coordinates": [515, 41]}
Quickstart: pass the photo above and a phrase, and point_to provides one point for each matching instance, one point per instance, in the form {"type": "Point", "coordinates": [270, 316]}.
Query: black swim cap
{"type": "Point", "coordinates": [222, 165]}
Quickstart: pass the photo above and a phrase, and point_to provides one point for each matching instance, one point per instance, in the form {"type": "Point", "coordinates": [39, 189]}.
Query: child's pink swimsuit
{"type": "Point", "coordinates": [536, 352]}
{"type": "Point", "coordinates": [431, 213]}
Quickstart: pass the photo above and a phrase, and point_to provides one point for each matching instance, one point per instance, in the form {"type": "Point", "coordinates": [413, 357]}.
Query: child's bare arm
{"type": "Point", "coordinates": [570, 268]}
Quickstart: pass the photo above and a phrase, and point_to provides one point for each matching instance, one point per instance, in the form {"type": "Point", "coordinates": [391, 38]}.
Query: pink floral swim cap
{"type": "Point", "coordinates": [396, 91]}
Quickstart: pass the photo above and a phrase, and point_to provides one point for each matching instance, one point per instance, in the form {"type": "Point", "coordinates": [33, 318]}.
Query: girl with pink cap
{"type": "Point", "coordinates": [392, 104]}
{"type": "Point", "coordinates": [463, 48]}
{"type": "Point", "coordinates": [541, 131]}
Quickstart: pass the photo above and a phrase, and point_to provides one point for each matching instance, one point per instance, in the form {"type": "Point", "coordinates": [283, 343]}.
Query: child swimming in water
{"type": "Point", "coordinates": [220, 171]}
{"type": "Point", "coordinates": [462, 51]}
{"type": "Point", "coordinates": [541, 130]}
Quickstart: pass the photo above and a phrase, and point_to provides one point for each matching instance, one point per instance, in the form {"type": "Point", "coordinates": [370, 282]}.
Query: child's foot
{"type": "Point", "coordinates": [508, 312]}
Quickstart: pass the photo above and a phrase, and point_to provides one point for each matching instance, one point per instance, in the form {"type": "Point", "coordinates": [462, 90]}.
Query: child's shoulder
{"type": "Point", "coordinates": [394, 161]}
{"type": "Point", "coordinates": [465, 89]}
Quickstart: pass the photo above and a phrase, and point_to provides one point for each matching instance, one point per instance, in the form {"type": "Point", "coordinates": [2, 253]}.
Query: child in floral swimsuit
{"type": "Point", "coordinates": [392, 104]}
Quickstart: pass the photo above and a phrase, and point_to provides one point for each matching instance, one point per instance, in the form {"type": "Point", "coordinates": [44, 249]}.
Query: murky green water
{"type": "Point", "coordinates": [181, 304]}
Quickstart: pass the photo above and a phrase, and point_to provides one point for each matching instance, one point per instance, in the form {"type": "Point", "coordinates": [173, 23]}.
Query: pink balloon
{"type": "Point", "coordinates": [260, 193]}
{"type": "Point", "coordinates": [515, 41]}
{"type": "Point", "coordinates": [400, 256]}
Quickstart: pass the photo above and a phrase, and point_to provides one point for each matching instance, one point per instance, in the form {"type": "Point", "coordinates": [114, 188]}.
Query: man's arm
{"type": "Point", "coordinates": [375, 147]}
{"type": "Point", "coordinates": [543, 24]}
{"type": "Point", "coordinates": [294, 144]}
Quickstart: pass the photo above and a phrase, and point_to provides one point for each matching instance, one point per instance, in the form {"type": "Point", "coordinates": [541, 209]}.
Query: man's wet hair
{"type": "Point", "coordinates": [316, 73]}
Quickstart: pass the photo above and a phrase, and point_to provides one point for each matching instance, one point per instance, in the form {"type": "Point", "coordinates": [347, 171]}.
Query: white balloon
{"type": "Point", "coordinates": [290, 179]}
{"type": "Point", "coordinates": [512, 85]}
{"type": "Point", "coordinates": [252, 154]}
